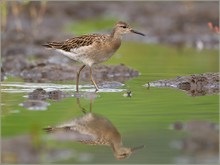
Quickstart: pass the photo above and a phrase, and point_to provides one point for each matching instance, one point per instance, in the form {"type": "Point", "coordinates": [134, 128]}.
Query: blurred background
{"type": "Point", "coordinates": [182, 38]}
{"type": "Point", "coordinates": [26, 25]}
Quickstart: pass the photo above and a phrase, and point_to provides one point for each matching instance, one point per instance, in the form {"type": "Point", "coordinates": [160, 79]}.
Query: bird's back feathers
{"type": "Point", "coordinates": [76, 42]}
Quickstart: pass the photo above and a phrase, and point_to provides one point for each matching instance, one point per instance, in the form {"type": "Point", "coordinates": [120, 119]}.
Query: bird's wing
{"type": "Point", "coordinates": [68, 133]}
{"type": "Point", "coordinates": [55, 45]}
{"type": "Point", "coordinates": [76, 42]}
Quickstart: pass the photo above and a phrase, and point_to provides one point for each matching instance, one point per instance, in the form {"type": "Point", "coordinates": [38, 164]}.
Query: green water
{"type": "Point", "coordinates": [142, 119]}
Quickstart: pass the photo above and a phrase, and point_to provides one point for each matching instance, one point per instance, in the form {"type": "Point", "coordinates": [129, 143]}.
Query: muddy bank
{"type": "Point", "coordinates": [52, 72]}
{"type": "Point", "coordinates": [193, 85]}
{"type": "Point", "coordinates": [59, 68]}
{"type": "Point", "coordinates": [38, 99]}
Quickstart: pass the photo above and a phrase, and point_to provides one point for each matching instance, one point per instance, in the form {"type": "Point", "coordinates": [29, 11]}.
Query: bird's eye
{"type": "Point", "coordinates": [123, 154]}
{"type": "Point", "coordinates": [124, 27]}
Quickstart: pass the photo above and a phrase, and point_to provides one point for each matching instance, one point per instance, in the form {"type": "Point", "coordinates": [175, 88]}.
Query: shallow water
{"type": "Point", "coordinates": [145, 118]}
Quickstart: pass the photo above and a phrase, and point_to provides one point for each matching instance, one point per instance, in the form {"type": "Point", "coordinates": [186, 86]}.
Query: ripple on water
{"type": "Point", "coordinates": [18, 87]}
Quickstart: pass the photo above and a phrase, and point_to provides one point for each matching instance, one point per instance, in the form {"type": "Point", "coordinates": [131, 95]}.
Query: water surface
{"type": "Point", "coordinates": [145, 118]}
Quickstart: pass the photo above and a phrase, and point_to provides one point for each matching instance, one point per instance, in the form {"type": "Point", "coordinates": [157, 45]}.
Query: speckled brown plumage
{"type": "Point", "coordinates": [98, 141]}
{"type": "Point", "coordinates": [78, 42]}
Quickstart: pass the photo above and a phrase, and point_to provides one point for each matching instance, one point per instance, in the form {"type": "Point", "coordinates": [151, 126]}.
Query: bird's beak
{"type": "Point", "coordinates": [137, 148]}
{"type": "Point", "coordinates": [134, 31]}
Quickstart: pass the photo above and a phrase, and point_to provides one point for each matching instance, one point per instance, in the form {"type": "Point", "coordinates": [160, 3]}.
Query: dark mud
{"type": "Point", "coordinates": [41, 94]}
{"type": "Point", "coordinates": [193, 85]}
{"type": "Point", "coordinates": [47, 72]}
{"type": "Point", "coordinates": [37, 100]}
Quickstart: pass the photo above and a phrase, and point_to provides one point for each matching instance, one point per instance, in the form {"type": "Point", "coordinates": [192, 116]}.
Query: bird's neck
{"type": "Point", "coordinates": [116, 147]}
{"type": "Point", "coordinates": [115, 39]}
{"type": "Point", "coordinates": [115, 35]}
{"type": "Point", "coordinates": [115, 141]}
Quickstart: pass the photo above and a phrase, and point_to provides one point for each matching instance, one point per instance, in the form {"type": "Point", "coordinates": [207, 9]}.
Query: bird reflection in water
{"type": "Point", "coordinates": [92, 129]}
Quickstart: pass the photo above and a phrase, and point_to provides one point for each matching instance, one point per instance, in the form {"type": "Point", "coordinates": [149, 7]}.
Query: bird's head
{"type": "Point", "coordinates": [124, 152]}
{"type": "Point", "coordinates": [123, 28]}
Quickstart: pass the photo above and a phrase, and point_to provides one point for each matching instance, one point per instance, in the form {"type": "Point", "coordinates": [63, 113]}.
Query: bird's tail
{"type": "Point", "coordinates": [48, 129]}
{"type": "Point", "coordinates": [56, 45]}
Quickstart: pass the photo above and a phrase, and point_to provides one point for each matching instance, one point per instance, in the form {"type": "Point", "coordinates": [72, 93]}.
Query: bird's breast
{"type": "Point", "coordinates": [106, 50]}
{"type": "Point", "coordinates": [98, 52]}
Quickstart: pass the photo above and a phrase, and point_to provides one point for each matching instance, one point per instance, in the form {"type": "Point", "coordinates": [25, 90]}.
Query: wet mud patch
{"type": "Point", "coordinates": [39, 95]}
{"type": "Point", "coordinates": [193, 85]}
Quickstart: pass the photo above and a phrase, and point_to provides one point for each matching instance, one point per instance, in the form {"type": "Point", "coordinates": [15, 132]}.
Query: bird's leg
{"type": "Point", "coordinates": [90, 105]}
{"type": "Point", "coordinates": [77, 78]}
{"type": "Point", "coordinates": [82, 109]}
{"type": "Point", "coordinates": [91, 78]}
